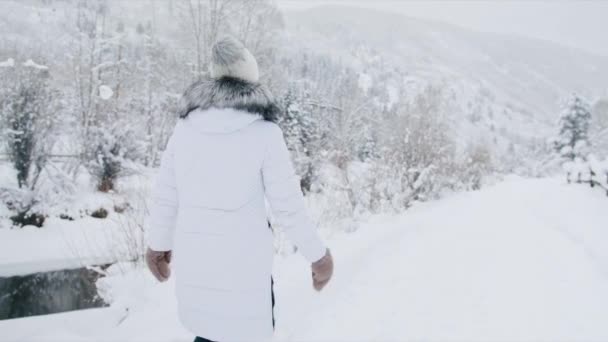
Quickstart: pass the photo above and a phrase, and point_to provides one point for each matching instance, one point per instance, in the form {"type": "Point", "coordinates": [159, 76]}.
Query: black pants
{"type": "Point", "coordinates": [202, 339]}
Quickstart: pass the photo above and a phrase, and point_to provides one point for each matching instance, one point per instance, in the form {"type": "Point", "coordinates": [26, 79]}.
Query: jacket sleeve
{"type": "Point", "coordinates": [282, 189]}
{"type": "Point", "coordinates": [163, 203]}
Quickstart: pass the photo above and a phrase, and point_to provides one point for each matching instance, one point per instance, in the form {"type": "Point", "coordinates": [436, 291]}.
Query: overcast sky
{"type": "Point", "coordinates": [581, 24]}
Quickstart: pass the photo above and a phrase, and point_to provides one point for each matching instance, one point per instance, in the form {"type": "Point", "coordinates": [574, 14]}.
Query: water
{"type": "Point", "coordinates": [49, 292]}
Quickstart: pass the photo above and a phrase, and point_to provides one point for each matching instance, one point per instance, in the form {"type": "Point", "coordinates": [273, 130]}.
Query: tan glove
{"type": "Point", "coordinates": [322, 271]}
{"type": "Point", "coordinates": [158, 263]}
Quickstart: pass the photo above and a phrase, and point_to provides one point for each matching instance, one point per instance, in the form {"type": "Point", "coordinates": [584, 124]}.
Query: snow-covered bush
{"type": "Point", "coordinates": [477, 163]}
{"type": "Point", "coordinates": [416, 153]}
{"type": "Point", "coordinates": [114, 150]}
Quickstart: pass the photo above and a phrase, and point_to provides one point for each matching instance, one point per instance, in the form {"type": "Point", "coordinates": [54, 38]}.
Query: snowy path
{"type": "Point", "coordinates": [518, 261]}
{"type": "Point", "coordinates": [522, 260]}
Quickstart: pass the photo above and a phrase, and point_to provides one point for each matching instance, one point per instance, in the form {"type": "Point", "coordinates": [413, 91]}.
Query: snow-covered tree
{"type": "Point", "coordinates": [417, 150]}
{"type": "Point", "coordinates": [28, 121]}
{"type": "Point", "coordinates": [254, 22]}
{"type": "Point", "coordinates": [477, 164]}
{"type": "Point", "coordinates": [125, 93]}
{"type": "Point", "coordinates": [153, 94]}
{"type": "Point", "coordinates": [300, 132]}
{"type": "Point", "coordinates": [115, 150]}
{"type": "Point", "coordinates": [28, 118]}
{"type": "Point", "coordinates": [573, 136]}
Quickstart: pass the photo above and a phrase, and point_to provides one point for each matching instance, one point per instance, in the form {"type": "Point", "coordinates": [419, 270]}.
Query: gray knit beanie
{"type": "Point", "coordinates": [229, 57]}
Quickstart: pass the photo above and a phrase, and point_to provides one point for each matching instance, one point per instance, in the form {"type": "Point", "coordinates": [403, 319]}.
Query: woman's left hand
{"type": "Point", "coordinates": [158, 264]}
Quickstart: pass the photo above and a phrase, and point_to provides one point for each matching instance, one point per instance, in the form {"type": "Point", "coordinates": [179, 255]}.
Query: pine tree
{"type": "Point", "coordinates": [573, 134]}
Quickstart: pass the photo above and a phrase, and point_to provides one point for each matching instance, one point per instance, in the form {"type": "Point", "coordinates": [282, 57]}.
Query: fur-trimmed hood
{"type": "Point", "coordinates": [229, 92]}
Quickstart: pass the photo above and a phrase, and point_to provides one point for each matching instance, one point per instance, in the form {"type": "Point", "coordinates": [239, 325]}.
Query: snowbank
{"type": "Point", "coordinates": [593, 171]}
{"type": "Point", "coordinates": [61, 244]}
{"type": "Point", "coordinates": [72, 236]}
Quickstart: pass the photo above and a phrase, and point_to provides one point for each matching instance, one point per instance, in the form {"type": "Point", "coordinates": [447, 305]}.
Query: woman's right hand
{"type": "Point", "coordinates": [322, 271]}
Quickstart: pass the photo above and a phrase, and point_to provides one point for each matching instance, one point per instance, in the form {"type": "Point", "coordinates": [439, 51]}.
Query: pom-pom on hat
{"type": "Point", "coordinates": [229, 57]}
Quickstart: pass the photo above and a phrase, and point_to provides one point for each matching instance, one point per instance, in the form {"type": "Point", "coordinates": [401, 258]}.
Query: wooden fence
{"type": "Point", "coordinates": [592, 172]}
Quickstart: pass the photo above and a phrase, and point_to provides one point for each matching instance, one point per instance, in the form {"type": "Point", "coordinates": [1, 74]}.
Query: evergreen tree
{"type": "Point", "coordinates": [573, 134]}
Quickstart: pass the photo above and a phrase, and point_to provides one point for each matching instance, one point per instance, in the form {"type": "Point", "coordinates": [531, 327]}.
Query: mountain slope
{"type": "Point", "coordinates": [508, 84]}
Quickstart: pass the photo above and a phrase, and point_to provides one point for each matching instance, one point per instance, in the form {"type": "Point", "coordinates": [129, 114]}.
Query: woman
{"type": "Point", "coordinates": [225, 159]}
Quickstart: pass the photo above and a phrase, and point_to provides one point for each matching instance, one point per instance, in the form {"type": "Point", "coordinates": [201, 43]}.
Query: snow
{"type": "Point", "coordinates": [593, 170]}
{"type": "Point", "coordinates": [365, 82]}
{"type": "Point", "coordinates": [61, 244]}
{"type": "Point", "coordinates": [8, 63]}
{"type": "Point", "coordinates": [31, 64]}
{"type": "Point", "coordinates": [524, 259]}
{"type": "Point", "coordinates": [83, 241]}
{"type": "Point", "coordinates": [105, 92]}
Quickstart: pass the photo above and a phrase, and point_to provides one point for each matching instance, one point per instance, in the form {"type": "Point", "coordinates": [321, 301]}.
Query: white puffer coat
{"type": "Point", "coordinates": [208, 206]}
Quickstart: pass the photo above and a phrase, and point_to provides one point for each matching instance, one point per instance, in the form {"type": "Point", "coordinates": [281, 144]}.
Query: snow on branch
{"type": "Point", "coordinates": [7, 63]}
{"type": "Point", "coordinates": [31, 64]}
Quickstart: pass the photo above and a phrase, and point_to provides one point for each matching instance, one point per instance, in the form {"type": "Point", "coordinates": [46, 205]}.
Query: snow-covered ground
{"type": "Point", "coordinates": [525, 259]}
{"type": "Point", "coordinates": [78, 239]}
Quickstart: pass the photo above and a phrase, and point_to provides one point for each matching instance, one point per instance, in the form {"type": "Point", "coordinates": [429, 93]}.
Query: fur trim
{"type": "Point", "coordinates": [229, 92]}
